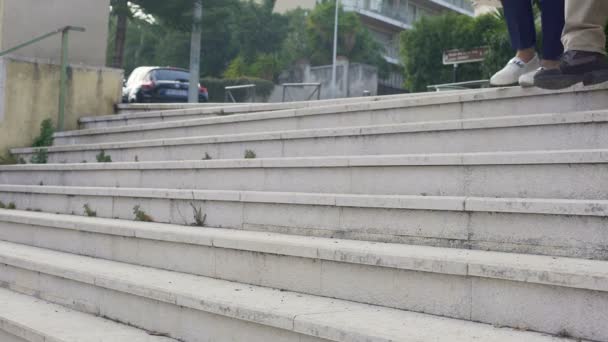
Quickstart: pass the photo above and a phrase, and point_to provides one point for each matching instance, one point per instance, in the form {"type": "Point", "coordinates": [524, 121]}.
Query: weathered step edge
{"type": "Point", "coordinates": [598, 208]}
{"type": "Point", "coordinates": [35, 320]}
{"type": "Point", "coordinates": [436, 126]}
{"type": "Point", "coordinates": [331, 319]}
{"type": "Point", "coordinates": [555, 271]}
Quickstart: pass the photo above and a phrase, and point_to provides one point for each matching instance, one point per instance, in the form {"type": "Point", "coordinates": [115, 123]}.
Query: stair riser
{"type": "Point", "coordinates": [586, 181]}
{"type": "Point", "coordinates": [6, 337]}
{"type": "Point", "coordinates": [492, 301]}
{"type": "Point", "coordinates": [562, 103]}
{"type": "Point", "coordinates": [560, 235]}
{"type": "Point", "coordinates": [142, 312]}
{"type": "Point", "coordinates": [544, 137]}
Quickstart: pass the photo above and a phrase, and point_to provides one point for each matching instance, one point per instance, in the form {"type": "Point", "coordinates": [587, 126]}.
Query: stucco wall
{"type": "Point", "coordinates": [283, 6]}
{"type": "Point", "coordinates": [29, 93]}
{"type": "Point", "coordinates": [22, 20]}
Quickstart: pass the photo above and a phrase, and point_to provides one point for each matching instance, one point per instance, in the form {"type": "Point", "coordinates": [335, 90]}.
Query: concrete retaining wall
{"type": "Point", "coordinates": [29, 94]}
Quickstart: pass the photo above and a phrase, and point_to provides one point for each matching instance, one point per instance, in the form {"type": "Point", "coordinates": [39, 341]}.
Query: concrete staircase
{"type": "Point", "coordinates": [461, 216]}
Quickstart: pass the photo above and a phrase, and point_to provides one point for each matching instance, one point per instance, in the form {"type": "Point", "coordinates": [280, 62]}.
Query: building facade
{"type": "Point", "coordinates": [23, 20]}
{"type": "Point", "coordinates": [386, 19]}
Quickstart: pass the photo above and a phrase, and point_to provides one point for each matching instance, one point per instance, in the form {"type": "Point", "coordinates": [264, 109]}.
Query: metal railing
{"type": "Point", "coordinates": [228, 96]}
{"type": "Point", "coordinates": [63, 79]}
{"type": "Point", "coordinates": [317, 90]}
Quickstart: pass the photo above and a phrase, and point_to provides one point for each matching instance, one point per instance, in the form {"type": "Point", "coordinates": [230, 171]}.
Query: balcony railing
{"type": "Point", "coordinates": [403, 11]}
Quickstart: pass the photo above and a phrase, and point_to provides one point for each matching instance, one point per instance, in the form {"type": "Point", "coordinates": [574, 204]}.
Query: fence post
{"type": "Point", "coordinates": [63, 79]}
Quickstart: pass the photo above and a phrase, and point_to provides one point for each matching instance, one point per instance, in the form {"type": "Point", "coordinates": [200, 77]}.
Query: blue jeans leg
{"type": "Point", "coordinates": [520, 22]}
{"type": "Point", "coordinates": [553, 19]}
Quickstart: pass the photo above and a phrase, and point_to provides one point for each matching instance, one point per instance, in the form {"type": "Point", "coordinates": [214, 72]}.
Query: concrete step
{"type": "Point", "coordinates": [387, 111]}
{"type": "Point", "coordinates": [135, 114]}
{"type": "Point", "coordinates": [581, 174]}
{"type": "Point", "coordinates": [223, 310]}
{"type": "Point", "coordinates": [24, 318]}
{"type": "Point", "coordinates": [581, 130]}
{"type": "Point", "coordinates": [499, 101]}
{"type": "Point", "coordinates": [560, 227]}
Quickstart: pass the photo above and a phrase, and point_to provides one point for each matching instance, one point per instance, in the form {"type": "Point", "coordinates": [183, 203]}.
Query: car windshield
{"type": "Point", "coordinates": [171, 75]}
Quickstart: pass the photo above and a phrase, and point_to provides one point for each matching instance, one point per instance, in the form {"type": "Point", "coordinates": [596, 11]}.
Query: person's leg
{"type": "Point", "coordinates": [584, 41]}
{"type": "Point", "coordinates": [520, 23]}
{"type": "Point", "coordinates": [584, 29]}
{"type": "Point", "coordinates": [553, 20]}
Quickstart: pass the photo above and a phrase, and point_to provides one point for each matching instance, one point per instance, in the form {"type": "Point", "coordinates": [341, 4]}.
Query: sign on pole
{"type": "Point", "coordinates": [460, 56]}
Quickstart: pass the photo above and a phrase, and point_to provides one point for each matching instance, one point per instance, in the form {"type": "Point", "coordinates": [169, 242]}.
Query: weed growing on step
{"type": "Point", "coordinates": [88, 211]}
{"type": "Point", "coordinates": [9, 159]}
{"type": "Point", "coordinates": [136, 159]}
{"type": "Point", "coordinates": [45, 138]}
{"type": "Point", "coordinates": [249, 154]}
{"type": "Point", "coordinates": [141, 215]}
{"type": "Point", "coordinates": [199, 217]}
{"type": "Point", "coordinates": [41, 156]}
{"type": "Point", "coordinates": [103, 158]}
{"type": "Point", "coordinates": [10, 206]}
{"type": "Point", "coordinates": [207, 156]}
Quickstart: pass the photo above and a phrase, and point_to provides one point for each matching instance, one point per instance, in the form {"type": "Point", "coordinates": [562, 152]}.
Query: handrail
{"type": "Point", "coordinates": [64, 64]}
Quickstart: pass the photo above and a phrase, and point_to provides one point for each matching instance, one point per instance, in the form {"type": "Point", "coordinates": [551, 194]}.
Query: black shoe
{"type": "Point", "coordinates": [575, 67]}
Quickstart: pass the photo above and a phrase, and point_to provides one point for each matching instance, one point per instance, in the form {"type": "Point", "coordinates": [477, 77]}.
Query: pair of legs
{"type": "Point", "coordinates": [585, 43]}
{"type": "Point", "coordinates": [519, 15]}
{"type": "Point", "coordinates": [522, 30]}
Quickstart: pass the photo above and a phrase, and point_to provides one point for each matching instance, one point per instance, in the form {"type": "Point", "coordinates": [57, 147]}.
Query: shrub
{"type": "Point", "coordinates": [45, 138]}
{"type": "Point", "coordinates": [141, 215]}
{"type": "Point", "coordinates": [103, 158]}
{"type": "Point", "coordinates": [41, 156]}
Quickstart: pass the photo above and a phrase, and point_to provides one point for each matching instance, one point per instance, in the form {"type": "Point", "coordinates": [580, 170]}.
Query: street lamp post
{"type": "Point", "coordinates": [195, 52]}
{"type": "Point", "coordinates": [335, 54]}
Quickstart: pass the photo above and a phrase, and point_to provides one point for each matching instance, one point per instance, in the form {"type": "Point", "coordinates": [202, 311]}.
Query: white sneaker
{"type": "Point", "coordinates": [527, 79]}
{"type": "Point", "coordinates": [510, 74]}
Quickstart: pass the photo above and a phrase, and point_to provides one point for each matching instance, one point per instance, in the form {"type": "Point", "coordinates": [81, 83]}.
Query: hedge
{"type": "Point", "coordinates": [216, 88]}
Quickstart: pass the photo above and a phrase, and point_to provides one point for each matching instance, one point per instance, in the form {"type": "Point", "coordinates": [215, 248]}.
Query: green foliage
{"type": "Point", "coordinates": [41, 156]}
{"type": "Point", "coordinates": [10, 206]}
{"type": "Point", "coordinates": [216, 87]}
{"type": "Point", "coordinates": [88, 211]}
{"type": "Point", "coordinates": [103, 158]}
{"type": "Point", "coordinates": [423, 46]}
{"type": "Point", "coordinates": [141, 215]}
{"type": "Point", "coordinates": [45, 138]}
{"type": "Point", "coordinates": [354, 40]}
{"type": "Point", "coordinates": [249, 154]}
{"type": "Point", "coordinates": [10, 159]}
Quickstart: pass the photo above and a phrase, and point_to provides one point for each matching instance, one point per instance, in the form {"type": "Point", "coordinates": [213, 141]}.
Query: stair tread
{"type": "Point", "coordinates": [580, 156]}
{"type": "Point", "coordinates": [557, 271]}
{"type": "Point", "coordinates": [549, 206]}
{"type": "Point", "coordinates": [37, 320]}
{"type": "Point", "coordinates": [416, 127]}
{"type": "Point", "coordinates": [306, 314]}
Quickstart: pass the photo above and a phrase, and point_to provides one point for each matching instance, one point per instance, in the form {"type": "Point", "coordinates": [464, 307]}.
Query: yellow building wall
{"type": "Point", "coordinates": [29, 94]}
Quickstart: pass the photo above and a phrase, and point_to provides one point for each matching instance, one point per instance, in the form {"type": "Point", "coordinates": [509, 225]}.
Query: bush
{"type": "Point", "coordinates": [216, 86]}
{"type": "Point", "coordinates": [46, 134]}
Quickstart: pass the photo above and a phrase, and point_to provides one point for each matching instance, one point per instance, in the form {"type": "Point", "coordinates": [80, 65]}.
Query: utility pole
{"type": "Point", "coordinates": [334, 89]}
{"type": "Point", "coordinates": [195, 51]}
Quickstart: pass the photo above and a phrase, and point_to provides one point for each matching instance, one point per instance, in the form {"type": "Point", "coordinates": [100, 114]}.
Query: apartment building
{"type": "Point", "coordinates": [385, 19]}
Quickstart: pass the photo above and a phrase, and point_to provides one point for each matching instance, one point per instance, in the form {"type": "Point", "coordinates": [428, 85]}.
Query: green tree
{"type": "Point", "coordinates": [422, 48]}
{"type": "Point", "coordinates": [354, 40]}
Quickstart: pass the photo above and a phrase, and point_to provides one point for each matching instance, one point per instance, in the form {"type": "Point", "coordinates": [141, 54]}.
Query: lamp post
{"type": "Point", "coordinates": [335, 53]}
{"type": "Point", "coordinates": [195, 52]}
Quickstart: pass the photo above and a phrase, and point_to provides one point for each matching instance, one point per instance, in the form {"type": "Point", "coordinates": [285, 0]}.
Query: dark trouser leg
{"type": "Point", "coordinates": [553, 19]}
{"type": "Point", "coordinates": [520, 22]}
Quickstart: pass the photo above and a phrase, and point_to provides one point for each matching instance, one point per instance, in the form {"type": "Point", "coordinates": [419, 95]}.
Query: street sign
{"type": "Point", "coordinates": [459, 56]}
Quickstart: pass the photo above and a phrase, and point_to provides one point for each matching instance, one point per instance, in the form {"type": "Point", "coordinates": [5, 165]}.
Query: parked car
{"type": "Point", "coordinates": [159, 84]}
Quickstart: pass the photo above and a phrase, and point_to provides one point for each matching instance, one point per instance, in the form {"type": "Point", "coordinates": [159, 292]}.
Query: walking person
{"type": "Point", "coordinates": [585, 43]}
{"type": "Point", "coordinates": [519, 15]}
